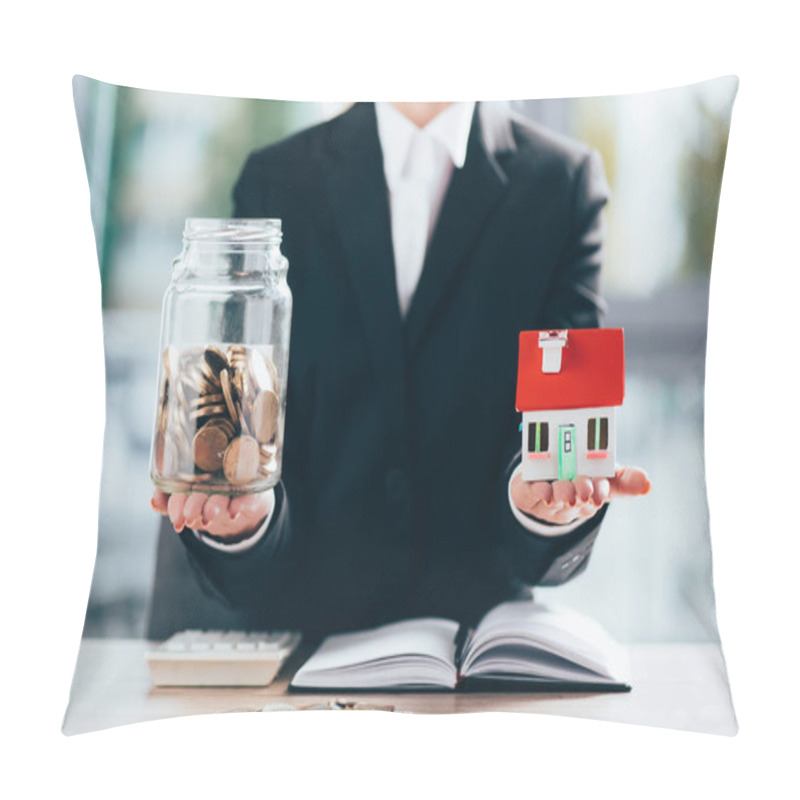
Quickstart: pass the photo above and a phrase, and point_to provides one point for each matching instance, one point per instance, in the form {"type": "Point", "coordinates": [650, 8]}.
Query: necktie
{"type": "Point", "coordinates": [412, 212]}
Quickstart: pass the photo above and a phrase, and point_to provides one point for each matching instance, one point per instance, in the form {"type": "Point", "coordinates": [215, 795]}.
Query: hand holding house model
{"type": "Point", "coordinates": [569, 384]}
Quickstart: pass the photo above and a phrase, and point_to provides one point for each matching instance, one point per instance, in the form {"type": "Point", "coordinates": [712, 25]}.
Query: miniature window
{"type": "Point", "coordinates": [538, 437]}
{"type": "Point", "coordinates": [597, 436]}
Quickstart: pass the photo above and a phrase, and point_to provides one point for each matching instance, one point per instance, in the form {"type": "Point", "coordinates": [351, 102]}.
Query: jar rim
{"type": "Point", "coordinates": [231, 230]}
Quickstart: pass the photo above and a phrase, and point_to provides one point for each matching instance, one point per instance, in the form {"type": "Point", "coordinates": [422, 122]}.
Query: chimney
{"type": "Point", "coordinates": [552, 343]}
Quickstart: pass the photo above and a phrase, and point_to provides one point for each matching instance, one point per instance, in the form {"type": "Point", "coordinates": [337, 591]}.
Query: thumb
{"type": "Point", "coordinates": [629, 481]}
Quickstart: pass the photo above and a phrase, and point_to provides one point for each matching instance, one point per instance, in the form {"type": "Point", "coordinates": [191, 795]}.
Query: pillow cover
{"type": "Point", "coordinates": [415, 262]}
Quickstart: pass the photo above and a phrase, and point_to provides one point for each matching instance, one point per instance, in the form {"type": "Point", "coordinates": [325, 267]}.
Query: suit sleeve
{"type": "Point", "coordinates": [573, 301]}
{"type": "Point", "coordinates": [240, 579]}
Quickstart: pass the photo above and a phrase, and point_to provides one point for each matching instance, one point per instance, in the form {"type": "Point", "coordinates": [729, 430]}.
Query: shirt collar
{"type": "Point", "coordinates": [450, 128]}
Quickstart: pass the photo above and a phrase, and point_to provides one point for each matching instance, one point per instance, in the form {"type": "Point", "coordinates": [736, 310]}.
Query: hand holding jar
{"type": "Point", "coordinates": [217, 445]}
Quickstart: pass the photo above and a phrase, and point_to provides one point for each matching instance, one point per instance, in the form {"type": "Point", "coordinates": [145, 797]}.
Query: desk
{"type": "Point", "coordinates": [674, 686]}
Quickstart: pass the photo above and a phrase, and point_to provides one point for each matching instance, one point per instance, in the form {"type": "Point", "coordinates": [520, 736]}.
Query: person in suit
{"type": "Point", "coordinates": [422, 238]}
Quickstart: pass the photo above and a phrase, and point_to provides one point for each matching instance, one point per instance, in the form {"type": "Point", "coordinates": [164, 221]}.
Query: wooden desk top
{"type": "Point", "coordinates": [680, 686]}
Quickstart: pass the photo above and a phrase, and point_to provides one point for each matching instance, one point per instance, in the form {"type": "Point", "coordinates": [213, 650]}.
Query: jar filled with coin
{"type": "Point", "coordinates": [224, 357]}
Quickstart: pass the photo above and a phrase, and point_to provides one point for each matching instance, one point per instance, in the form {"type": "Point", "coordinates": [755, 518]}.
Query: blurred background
{"type": "Point", "coordinates": [174, 156]}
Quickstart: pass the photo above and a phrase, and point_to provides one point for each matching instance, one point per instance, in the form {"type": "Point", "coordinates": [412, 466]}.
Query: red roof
{"type": "Point", "coordinates": [592, 371]}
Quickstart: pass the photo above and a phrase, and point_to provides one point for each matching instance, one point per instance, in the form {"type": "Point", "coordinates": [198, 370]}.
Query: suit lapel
{"type": "Point", "coordinates": [473, 192]}
{"type": "Point", "coordinates": [359, 200]}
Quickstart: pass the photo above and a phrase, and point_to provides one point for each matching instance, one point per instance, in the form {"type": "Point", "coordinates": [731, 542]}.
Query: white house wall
{"type": "Point", "coordinates": [546, 469]}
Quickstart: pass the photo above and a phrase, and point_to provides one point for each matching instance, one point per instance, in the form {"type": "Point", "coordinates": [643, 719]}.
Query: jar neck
{"type": "Point", "coordinates": [233, 248]}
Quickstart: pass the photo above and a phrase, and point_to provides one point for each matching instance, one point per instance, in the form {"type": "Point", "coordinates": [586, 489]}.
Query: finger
{"type": "Point", "coordinates": [602, 489]}
{"type": "Point", "coordinates": [193, 509]}
{"type": "Point", "coordinates": [159, 501]}
{"type": "Point", "coordinates": [175, 509]}
{"type": "Point", "coordinates": [215, 509]}
{"type": "Point", "coordinates": [528, 495]}
{"type": "Point", "coordinates": [249, 505]}
{"type": "Point", "coordinates": [630, 481]}
{"type": "Point", "coordinates": [584, 488]}
{"type": "Point", "coordinates": [564, 494]}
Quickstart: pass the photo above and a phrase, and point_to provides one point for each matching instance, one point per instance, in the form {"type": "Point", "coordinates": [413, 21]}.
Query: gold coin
{"type": "Point", "coordinates": [180, 394]}
{"type": "Point", "coordinates": [208, 447]}
{"type": "Point", "coordinates": [207, 411]}
{"type": "Point", "coordinates": [240, 462]}
{"type": "Point", "coordinates": [158, 451]}
{"type": "Point", "coordinates": [228, 392]}
{"type": "Point", "coordinates": [268, 450]}
{"type": "Point", "coordinates": [207, 400]}
{"type": "Point", "coordinates": [215, 358]}
{"type": "Point", "coordinates": [244, 426]}
{"type": "Point", "coordinates": [171, 360]}
{"type": "Point", "coordinates": [163, 416]}
{"type": "Point", "coordinates": [224, 424]}
{"type": "Point", "coordinates": [238, 381]}
{"type": "Point", "coordinates": [263, 371]}
{"type": "Point", "coordinates": [265, 416]}
{"type": "Point", "coordinates": [210, 377]}
{"type": "Point", "coordinates": [268, 467]}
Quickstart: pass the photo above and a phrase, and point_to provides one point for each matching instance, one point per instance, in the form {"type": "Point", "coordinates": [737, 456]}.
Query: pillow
{"type": "Point", "coordinates": [399, 495]}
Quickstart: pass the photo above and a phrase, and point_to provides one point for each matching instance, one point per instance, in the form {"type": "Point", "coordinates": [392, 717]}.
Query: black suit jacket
{"type": "Point", "coordinates": [401, 433]}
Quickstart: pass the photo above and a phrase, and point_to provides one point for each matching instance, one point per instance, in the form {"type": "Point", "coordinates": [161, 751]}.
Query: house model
{"type": "Point", "coordinates": [569, 383]}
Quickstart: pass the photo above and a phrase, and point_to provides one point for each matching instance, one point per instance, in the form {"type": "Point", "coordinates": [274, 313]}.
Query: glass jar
{"type": "Point", "coordinates": [224, 357]}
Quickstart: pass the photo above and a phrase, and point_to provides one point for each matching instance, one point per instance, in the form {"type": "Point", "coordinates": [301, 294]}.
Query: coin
{"type": "Point", "coordinates": [208, 447]}
{"type": "Point", "coordinates": [215, 359]}
{"type": "Point", "coordinates": [265, 376]}
{"type": "Point", "coordinates": [171, 360]}
{"type": "Point", "coordinates": [265, 415]}
{"type": "Point", "coordinates": [217, 418]}
{"type": "Point", "coordinates": [228, 392]}
{"type": "Point", "coordinates": [224, 424]}
{"type": "Point", "coordinates": [268, 450]}
{"type": "Point", "coordinates": [268, 467]}
{"type": "Point", "coordinates": [207, 411]}
{"type": "Point", "coordinates": [210, 378]}
{"type": "Point", "coordinates": [207, 400]}
{"type": "Point", "coordinates": [240, 461]}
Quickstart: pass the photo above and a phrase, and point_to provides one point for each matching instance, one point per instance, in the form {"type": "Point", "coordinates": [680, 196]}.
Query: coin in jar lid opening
{"type": "Point", "coordinates": [265, 416]}
{"type": "Point", "coordinates": [240, 462]}
{"type": "Point", "coordinates": [208, 448]}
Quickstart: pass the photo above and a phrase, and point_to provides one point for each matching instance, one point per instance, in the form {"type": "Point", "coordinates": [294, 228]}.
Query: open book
{"type": "Point", "coordinates": [518, 645]}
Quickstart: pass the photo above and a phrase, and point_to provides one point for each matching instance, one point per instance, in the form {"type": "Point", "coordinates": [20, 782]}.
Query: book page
{"type": "Point", "coordinates": [413, 651]}
{"type": "Point", "coordinates": [553, 629]}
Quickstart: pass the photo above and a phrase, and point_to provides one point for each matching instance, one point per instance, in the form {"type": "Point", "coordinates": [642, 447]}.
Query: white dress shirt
{"type": "Point", "coordinates": [418, 164]}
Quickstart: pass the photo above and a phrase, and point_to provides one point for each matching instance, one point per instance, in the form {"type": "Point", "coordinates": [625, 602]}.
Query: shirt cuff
{"type": "Point", "coordinates": [244, 544]}
{"type": "Point", "coordinates": [533, 525]}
